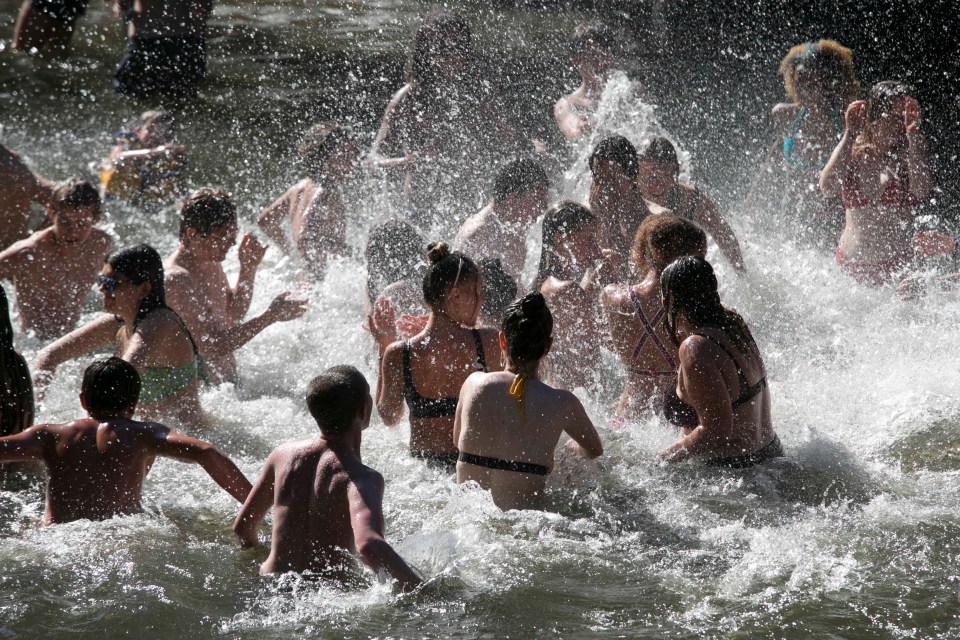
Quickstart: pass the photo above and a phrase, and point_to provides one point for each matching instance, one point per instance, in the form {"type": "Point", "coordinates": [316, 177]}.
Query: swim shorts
{"type": "Point", "coordinates": [163, 66]}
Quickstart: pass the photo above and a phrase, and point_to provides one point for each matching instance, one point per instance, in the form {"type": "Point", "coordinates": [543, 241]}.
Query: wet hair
{"type": "Point", "coordinates": [527, 326]}
{"type": "Point", "coordinates": [206, 209]}
{"type": "Point", "coordinates": [499, 289]}
{"type": "Point", "coordinates": [138, 264]}
{"type": "Point", "coordinates": [16, 388]}
{"type": "Point", "coordinates": [319, 143]}
{"type": "Point", "coordinates": [689, 286]}
{"type": "Point", "coordinates": [336, 397]}
{"type": "Point", "coordinates": [75, 193]}
{"type": "Point", "coordinates": [879, 101]}
{"type": "Point", "coordinates": [394, 252]}
{"type": "Point", "coordinates": [831, 61]}
{"type": "Point", "coordinates": [517, 178]}
{"type": "Point", "coordinates": [661, 239]}
{"type": "Point", "coordinates": [561, 220]}
{"type": "Point", "coordinates": [439, 33]}
{"type": "Point", "coordinates": [658, 149]}
{"type": "Point", "coordinates": [109, 386]}
{"type": "Point", "coordinates": [618, 150]}
{"type": "Point", "coordinates": [586, 34]}
{"type": "Point", "coordinates": [445, 271]}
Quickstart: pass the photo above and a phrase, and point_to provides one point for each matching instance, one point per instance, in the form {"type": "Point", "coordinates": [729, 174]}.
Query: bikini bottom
{"type": "Point", "coordinates": [504, 465]}
{"type": "Point", "coordinates": [773, 449]}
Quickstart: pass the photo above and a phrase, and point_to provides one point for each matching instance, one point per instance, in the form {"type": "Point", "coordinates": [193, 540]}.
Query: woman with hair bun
{"type": "Point", "coordinates": [721, 402]}
{"type": "Point", "coordinates": [508, 423]}
{"type": "Point", "coordinates": [145, 332]}
{"type": "Point", "coordinates": [426, 371]}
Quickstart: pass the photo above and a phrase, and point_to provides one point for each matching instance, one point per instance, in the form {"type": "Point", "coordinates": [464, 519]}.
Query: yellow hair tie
{"type": "Point", "coordinates": [517, 390]}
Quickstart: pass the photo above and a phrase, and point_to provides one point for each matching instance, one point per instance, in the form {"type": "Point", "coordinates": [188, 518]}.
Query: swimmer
{"type": "Point", "coordinates": [46, 26]}
{"type": "Point", "coordinates": [326, 502]}
{"type": "Point", "coordinates": [616, 199]}
{"type": "Point", "coordinates": [166, 47]}
{"type": "Point", "coordinates": [879, 168]}
{"type": "Point", "coordinates": [144, 331]}
{"type": "Point", "coordinates": [16, 387]}
{"type": "Point", "coordinates": [427, 371]}
{"type": "Point", "coordinates": [499, 290]}
{"type": "Point", "coordinates": [508, 423]}
{"type": "Point", "coordinates": [819, 81]}
{"type": "Point", "coordinates": [394, 256]}
{"type": "Point", "coordinates": [722, 400]}
{"type": "Point", "coordinates": [664, 193]}
{"type": "Point", "coordinates": [96, 465]}
{"type": "Point", "coordinates": [146, 165]}
{"type": "Point", "coordinates": [499, 229]}
{"type": "Point", "coordinates": [636, 319]}
{"type": "Point", "coordinates": [21, 189]}
{"type": "Point", "coordinates": [199, 292]}
{"type": "Point", "coordinates": [54, 269]}
{"type": "Point", "coordinates": [567, 279]}
{"type": "Point", "coordinates": [314, 206]}
{"type": "Point", "coordinates": [591, 53]}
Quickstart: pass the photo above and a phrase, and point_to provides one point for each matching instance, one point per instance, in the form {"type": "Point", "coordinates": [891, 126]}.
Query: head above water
{"type": "Point", "coordinates": [447, 271]}
{"type": "Point", "coordinates": [821, 70]}
{"type": "Point", "coordinates": [499, 289]}
{"type": "Point", "coordinates": [74, 208]}
{"type": "Point", "coordinates": [527, 328]}
{"type": "Point", "coordinates": [439, 50]}
{"type": "Point", "coordinates": [688, 287]}
{"type": "Point", "coordinates": [591, 47]}
{"type": "Point", "coordinates": [519, 178]}
{"type": "Point", "coordinates": [319, 144]}
{"type": "Point", "coordinates": [394, 252]}
{"type": "Point", "coordinates": [138, 264]}
{"type": "Point", "coordinates": [205, 210]}
{"type": "Point", "coordinates": [562, 220]}
{"type": "Point", "coordinates": [156, 128]}
{"type": "Point", "coordinates": [883, 118]}
{"type": "Point", "coordinates": [660, 150]}
{"type": "Point", "coordinates": [618, 151]}
{"type": "Point", "coordinates": [337, 398]}
{"type": "Point", "coordinates": [111, 387]}
{"type": "Point", "coordinates": [662, 239]}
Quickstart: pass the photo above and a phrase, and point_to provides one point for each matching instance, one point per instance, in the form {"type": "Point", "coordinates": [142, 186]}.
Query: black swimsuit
{"type": "Point", "coordinates": [504, 465]}
{"type": "Point", "coordinates": [423, 407]}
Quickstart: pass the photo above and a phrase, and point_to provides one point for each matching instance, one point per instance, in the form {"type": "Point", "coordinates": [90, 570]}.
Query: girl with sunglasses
{"type": "Point", "coordinates": [145, 332]}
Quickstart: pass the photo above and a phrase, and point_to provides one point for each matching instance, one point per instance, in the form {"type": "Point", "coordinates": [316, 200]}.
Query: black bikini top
{"type": "Point", "coordinates": [684, 416]}
{"type": "Point", "coordinates": [423, 407]}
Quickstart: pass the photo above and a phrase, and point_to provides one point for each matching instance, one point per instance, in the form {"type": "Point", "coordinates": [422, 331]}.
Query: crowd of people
{"type": "Point", "coordinates": [482, 362]}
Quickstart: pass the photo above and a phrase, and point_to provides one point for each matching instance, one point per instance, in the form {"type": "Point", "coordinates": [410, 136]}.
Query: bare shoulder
{"type": "Point", "coordinates": [176, 277]}
{"type": "Point", "coordinates": [615, 297]}
{"type": "Point", "coordinates": [100, 238]}
{"type": "Point", "coordinates": [698, 349]}
{"type": "Point", "coordinates": [783, 113]}
{"type": "Point", "coordinates": [20, 250]}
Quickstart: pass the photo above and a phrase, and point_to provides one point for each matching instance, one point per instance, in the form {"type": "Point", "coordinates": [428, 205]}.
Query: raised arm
{"type": "Point", "coordinates": [579, 427]}
{"type": "Point", "coordinates": [281, 309]}
{"type": "Point", "coordinates": [831, 178]}
{"type": "Point", "coordinates": [387, 137]}
{"type": "Point", "coordinates": [258, 503]}
{"type": "Point", "coordinates": [26, 445]}
{"type": "Point", "coordinates": [390, 385]}
{"type": "Point", "coordinates": [271, 220]}
{"type": "Point", "coordinates": [218, 466]}
{"type": "Point", "coordinates": [708, 394]}
{"type": "Point", "coordinates": [917, 155]}
{"type": "Point", "coordinates": [713, 223]}
{"type": "Point", "coordinates": [250, 254]}
{"type": "Point", "coordinates": [366, 515]}
{"type": "Point", "coordinates": [96, 333]}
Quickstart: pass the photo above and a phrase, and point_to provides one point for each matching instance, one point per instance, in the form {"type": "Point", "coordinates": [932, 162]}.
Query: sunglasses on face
{"type": "Point", "coordinates": [106, 283]}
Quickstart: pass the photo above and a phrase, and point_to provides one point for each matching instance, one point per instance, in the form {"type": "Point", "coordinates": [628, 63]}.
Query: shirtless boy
{"type": "Point", "coordinates": [21, 188]}
{"type": "Point", "coordinates": [326, 503]}
{"type": "Point", "coordinates": [96, 465]}
{"type": "Point", "coordinates": [590, 49]}
{"type": "Point", "coordinates": [198, 290]}
{"type": "Point", "coordinates": [315, 205]}
{"type": "Point", "coordinates": [55, 268]}
{"type": "Point", "coordinates": [499, 230]}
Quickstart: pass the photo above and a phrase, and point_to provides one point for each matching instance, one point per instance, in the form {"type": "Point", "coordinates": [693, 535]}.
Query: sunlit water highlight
{"type": "Point", "coordinates": [855, 536]}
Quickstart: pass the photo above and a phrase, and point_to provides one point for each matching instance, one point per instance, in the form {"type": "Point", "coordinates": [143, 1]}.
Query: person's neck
{"type": "Point", "coordinates": [530, 369]}
{"type": "Point", "coordinates": [348, 441]}
{"type": "Point", "coordinates": [109, 416]}
{"type": "Point", "coordinates": [440, 322]}
{"type": "Point", "coordinates": [187, 257]}
{"type": "Point", "coordinates": [513, 216]}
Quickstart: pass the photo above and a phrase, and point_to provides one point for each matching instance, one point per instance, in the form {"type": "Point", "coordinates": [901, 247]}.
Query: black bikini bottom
{"type": "Point", "coordinates": [772, 450]}
{"type": "Point", "coordinates": [447, 461]}
{"type": "Point", "coordinates": [504, 465]}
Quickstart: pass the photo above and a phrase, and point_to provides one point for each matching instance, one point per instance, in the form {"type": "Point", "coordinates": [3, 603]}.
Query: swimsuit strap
{"type": "Point", "coordinates": [504, 465]}
{"type": "Point", "coordinates": [747, 390]}
{"type": "Point", "coordinates": [481, 364]}
{"type": "Point", "coordinates": [407, 374]}
{"type": "Point", "coordinates": [517, 389]}
{"type": "Point", "coordinates": [649, 329]}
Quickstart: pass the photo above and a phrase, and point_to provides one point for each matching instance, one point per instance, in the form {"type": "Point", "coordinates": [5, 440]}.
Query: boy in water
{"type": "Point", "coordinates": [146, 164]}
{"type": "Point", "coordinates": [325, 500]}
{"type": "Point", "coordinates": [198, 290]}
{"type": "Point", "coordinates": [499, 229]}
{"type": "Point", "coordinates": [96, 465]}
{"type": "Point", "coordinates": [315, 204]}
{"type": "Point", "coordinates": [590, 53]}
{"type": "Point", "coordinates": [54, 268]}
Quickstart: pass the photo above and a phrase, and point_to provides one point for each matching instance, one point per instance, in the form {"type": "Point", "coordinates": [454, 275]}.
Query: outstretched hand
{"type": "Point", "coordinates": [251, 252]}
{"type": "Point", "coordinates": [855, 117]}
{"type": "Point", "coordinates": [381, 322]}
{"type": "Point", "coordinates": [283, 309]}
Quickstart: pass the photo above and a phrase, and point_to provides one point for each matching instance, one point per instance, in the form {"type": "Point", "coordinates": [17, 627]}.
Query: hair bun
{"type": "Point", "coordinates": [437, 251]}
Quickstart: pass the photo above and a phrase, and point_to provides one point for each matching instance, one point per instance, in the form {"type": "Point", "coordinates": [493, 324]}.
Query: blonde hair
{"type": "Point", "coordinates": [830, 59]}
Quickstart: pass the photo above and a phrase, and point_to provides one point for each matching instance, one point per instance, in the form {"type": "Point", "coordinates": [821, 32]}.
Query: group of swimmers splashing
{"type": "Point", "coordinates": [483, 372]}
